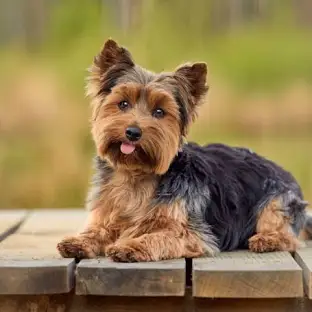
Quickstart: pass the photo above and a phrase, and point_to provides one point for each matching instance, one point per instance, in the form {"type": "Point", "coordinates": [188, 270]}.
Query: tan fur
{"type": "Point", "coordinates": [193, 75]}
{"type": "Point", "coordinates": [110, 55]}
{"type": "Point", "coordinates": [273, 230]}
{"type": "Point", "coordinates": [304, 235]}
{"type": "Point", "coordinates": [159, 135]}
{"type": "Point", "coordinates": [125, 223]}
{"type": "Point", "coordinates": [160, 234]}
{"type": "Point", "coordinates": [124, 226]}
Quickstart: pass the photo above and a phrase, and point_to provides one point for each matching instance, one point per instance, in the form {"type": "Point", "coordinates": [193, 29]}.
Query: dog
{"type": "Point", "coordinates": [154, 196]}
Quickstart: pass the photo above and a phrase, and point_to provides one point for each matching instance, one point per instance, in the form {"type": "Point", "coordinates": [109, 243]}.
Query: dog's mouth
{"type": "Point", "coordinates": [130, 154]}
{"type": "Point", "coordinates": [127, 148]}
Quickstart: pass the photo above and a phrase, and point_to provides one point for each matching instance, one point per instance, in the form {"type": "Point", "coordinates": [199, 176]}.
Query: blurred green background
{"type": "Point", "coordinates": [259, 53]}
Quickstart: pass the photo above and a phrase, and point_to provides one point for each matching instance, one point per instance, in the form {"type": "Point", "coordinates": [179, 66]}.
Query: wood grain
{"type": "Point", "coordinates": [30, 303]}
{"type": "Point", "coordinates": [252, 305]}
{"type": "Point", "coordinates": [73, 303]}
{"type": "Point", "coordinates": [247, 275]}
{"type": "Point", "coordinates": [36, 276]}
{"type": "Point", "coordinates": [39, 234]}
{"type": "Point", "coordinates": [304, 259]}
{"type": "Point", "coordinates": [29, 261]}
{"type": "Point", "coordinates": [104, 277]}
{"type": "Point", "coordinates": [128, 304]}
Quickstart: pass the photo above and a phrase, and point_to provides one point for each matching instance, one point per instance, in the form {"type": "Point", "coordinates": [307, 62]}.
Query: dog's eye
{"type": "Point", "coordinates": [123, 105]}
{"type": "Point", "coordinates": [158, 113]}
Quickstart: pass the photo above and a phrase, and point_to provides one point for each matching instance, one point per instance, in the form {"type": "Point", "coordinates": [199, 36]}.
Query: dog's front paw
{"type": "Point", "coordinates": [76, 247]}
{"type": "Point", "coordinates": [127, 252]}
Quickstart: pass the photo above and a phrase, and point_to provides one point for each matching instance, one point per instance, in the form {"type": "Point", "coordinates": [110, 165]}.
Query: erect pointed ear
{"type": "Point", "coordinates": [194, 75]}
{"type": "Point", "coordinates": [112, 54]}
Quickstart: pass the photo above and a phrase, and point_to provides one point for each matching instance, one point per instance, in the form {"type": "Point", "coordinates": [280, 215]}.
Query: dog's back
{"type": "Point", "coordinates": [229, 188]}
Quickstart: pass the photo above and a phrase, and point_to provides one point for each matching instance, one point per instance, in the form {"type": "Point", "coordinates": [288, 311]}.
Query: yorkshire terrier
{"type": "Point", "coordinates": [156, 197]}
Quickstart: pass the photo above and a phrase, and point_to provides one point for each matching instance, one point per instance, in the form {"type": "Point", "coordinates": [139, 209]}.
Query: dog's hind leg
{"type": "Point", "coordinates": [306, 232]}
{"type": "Point", "coordinates": [279, 224]}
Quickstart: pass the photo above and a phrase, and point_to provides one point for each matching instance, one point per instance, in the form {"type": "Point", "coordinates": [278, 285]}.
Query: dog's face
{"type": "Point", "coordinates": [140, 118]}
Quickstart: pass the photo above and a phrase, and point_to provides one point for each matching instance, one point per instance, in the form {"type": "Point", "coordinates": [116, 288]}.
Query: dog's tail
{"type": "Point", "coordinates": [306, 233]}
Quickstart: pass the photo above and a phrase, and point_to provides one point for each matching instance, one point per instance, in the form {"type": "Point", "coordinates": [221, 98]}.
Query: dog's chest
{"type": "Point", "coordinates": [129, 198]}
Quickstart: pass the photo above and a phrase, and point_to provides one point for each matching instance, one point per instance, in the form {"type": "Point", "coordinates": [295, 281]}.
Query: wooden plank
{"type": "Point", "coordinates": [73, 303]}
{"type": "Point", "coordinates": [252, 305]}
{"type": "Point", "coordinates": [53, 221]}
{"type": "Point", "coordinates": [38, 236]}
{"type": "Point", "coordinates": [245, 274]}
{"type": "Point", "coordinates": [36, 276]}
{"type": "Point", "coordinates": [108, 278]}
{"type": "Point", "coordinates": [31, 303]}
{"type": "Point", "coordinates": [29, 261]}
{"type": "Point", "coordinates": [128, 304]}
{"type": "Point", "coordinates": [304, 258]}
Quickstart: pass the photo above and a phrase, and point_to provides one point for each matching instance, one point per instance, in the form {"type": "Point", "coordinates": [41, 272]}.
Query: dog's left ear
{"type": "Point", "coordinates": [194, 76]}
{"type": "Point", "coordinates": [112, 54]}
{"type": "Point", "coordinates": [111, 57]}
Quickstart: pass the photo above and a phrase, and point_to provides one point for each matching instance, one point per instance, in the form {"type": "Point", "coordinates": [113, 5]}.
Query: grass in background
{"type": "Point", "coordinates": [45, 146]}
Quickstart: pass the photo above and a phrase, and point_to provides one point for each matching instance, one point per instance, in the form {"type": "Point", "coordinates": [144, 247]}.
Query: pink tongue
{"type": "Point", "coordinates": [127, 148]}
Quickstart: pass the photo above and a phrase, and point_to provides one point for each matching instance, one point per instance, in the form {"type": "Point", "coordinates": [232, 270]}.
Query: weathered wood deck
{"type": "Point", "coordinates": [34, 278]}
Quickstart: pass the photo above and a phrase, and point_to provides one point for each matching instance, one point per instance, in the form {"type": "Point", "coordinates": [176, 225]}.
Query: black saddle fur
{"type": "Point", "coordinates": [225, 187]}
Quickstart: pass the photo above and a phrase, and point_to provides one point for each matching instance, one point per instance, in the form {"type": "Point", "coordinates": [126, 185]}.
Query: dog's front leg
{"type": "Point", "coordinates": [148, 247]}
{"type": "Point", "coordinates": [92, 241]}
{"type": "Point", "coordinates": [154, 247]}
{"type": "Point", "coordinates": [162, 233]}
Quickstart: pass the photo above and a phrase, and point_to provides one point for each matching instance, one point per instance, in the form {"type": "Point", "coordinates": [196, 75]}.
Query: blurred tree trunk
{"type": "Point", "coordinates": [11, 20]}
{"type": "Point", "coordinates": [303, 12]}
{"type": "Point", "coordinates": [23, 20]}
{"type": "Point", "coordinates": [127, 13]}
{"type": "Point", "coordinates": [35, 16]}
{"type": "Point", "coordinates": [235, 13]}
{"type": "Point", "coordinates": [228, 14]}
{"type": "Point", "coordinates": [255, 9]}
{"type": "Point", "coordinates": [218, 16]}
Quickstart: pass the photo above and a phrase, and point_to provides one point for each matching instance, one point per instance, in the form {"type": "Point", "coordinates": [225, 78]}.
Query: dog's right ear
{"type": "Point", "coordinates": [111, 55]}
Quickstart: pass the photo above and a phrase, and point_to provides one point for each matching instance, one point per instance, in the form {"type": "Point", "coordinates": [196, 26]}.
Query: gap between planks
{"type": "Point", "coordinates": [304, 258]}
{"type": "Point", "coordinates": [11, 221]}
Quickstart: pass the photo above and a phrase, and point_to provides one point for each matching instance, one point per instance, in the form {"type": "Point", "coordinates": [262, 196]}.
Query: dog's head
{"type": "Point", "coordinates": [140, 118]}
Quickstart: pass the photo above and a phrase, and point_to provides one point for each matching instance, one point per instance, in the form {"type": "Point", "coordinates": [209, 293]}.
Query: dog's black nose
{"type": "Point", "coordinates": [133, 133]}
